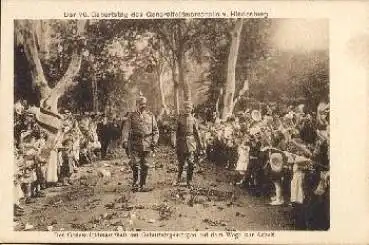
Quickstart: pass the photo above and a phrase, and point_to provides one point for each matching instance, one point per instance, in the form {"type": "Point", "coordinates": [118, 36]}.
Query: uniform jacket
{"type": "Point", "coordinates": [187, 134]}
{"type": "Point", "coordinates": [140, 131]}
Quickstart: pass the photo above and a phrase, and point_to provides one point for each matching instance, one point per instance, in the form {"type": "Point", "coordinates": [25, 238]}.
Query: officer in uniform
{"type": "Point", "coordinates": [140, 136]}
{"type": "Point", "coordinates": [187, 141]}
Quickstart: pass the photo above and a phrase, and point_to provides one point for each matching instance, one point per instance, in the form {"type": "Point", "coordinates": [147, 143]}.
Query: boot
{"type": "Point", "coordinates": [143, 175]}
{"type": "Point", "coordinates": [189, 175]}
{"type": "Point", "coordinates": [135, 176]}
{"type": "Point", "coordinates": [179, 175]}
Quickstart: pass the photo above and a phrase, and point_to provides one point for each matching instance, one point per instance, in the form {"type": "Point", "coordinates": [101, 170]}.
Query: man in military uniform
{"type": "Point", "coordinates": [187, 142]}
{"type": "Point", "coordinates": [140, 136]}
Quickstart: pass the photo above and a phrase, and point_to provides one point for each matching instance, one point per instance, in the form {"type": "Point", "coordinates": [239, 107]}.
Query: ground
{"type": "Point", "coordinates": [100, 198]}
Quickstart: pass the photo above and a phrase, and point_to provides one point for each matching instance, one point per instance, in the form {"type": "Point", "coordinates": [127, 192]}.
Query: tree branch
{"type": "Point", "coordinates": [72, 71]}
{"type": "Point", "coordinates": [74, 66]}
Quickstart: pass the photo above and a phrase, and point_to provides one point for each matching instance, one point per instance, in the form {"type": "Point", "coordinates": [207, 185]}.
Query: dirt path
{"type": "Point", "coordinates": [95, 202]}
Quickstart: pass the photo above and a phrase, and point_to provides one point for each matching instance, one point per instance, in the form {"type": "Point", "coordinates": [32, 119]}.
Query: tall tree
{"type": "Point", "coordinates": [26, 36]}
{"type": "Point", "coordinates": [179, 37]}
{"type": "Point", "coordinates": [230, 84]}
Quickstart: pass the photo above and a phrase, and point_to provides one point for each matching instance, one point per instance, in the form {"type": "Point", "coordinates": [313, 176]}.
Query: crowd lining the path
{"type": "Point", "coordinates": [282, 152]}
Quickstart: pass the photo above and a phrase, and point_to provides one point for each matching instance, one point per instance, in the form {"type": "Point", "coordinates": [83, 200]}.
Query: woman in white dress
{"type": "Point", "coordinates": [54, 159]}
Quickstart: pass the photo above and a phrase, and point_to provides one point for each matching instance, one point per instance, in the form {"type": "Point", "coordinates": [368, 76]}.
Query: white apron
{"type": "Point", "coordinates": [297, 192]}
{"type": "Point", "coordinates": [52, 167]}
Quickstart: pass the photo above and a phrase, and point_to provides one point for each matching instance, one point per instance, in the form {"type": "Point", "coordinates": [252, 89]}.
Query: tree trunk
{"type": "Point", "coordinates": [49, 96]}
{"type": "Point", "coordinates": [163, 104]}
{"type": "Point", "coordinates": [244, 89]}
{"type": "Point", "coordinates": [27, 36]}
{"type": "Point", "coordinates": [230, 85]}
{"type": "Point", "coordinates": [175, 86]}
{"type": "Point", "coordinates": [185, 84]}
{"type": "Point", "coordinates": [217, 103]}
{"type": "Point", "coordinates": [160, 70]}
{"type": "Point", "coordinates": [95, 106]}
{"type": "Point", "coordinates": [50, 102]}
{"type": "Point", "coordinates": [180, 66]}
{"type": "Point", "coordinates": [176, 97]}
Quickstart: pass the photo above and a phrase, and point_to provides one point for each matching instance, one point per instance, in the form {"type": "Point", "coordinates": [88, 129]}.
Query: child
{"type": "Point", "coordinates": [18, 193]}
{"type": "Point", "coordinates": [67, 165]}
{"type": "Point", "coordinates": [29, 150]}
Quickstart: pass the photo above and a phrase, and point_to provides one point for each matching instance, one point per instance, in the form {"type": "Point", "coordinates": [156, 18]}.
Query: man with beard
{"type": "Point", "coordinates": [140, 136]}
{"type": "Point", "coordinates": [187, 141]}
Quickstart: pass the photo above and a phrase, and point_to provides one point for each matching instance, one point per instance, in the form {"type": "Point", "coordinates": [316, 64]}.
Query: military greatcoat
{"type": "Point", "coordinates": [140, 131]}
{"type": "Point", "coordinates": [187, 136]}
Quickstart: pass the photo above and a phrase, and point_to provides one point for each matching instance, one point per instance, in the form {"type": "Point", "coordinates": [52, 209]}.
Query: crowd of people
{"type": "Point", "coordinates": [277, 151]}
{"type": "Point", "coordinates": [282, 151]}
{"type": "Point", "coordinates": [81, 139]}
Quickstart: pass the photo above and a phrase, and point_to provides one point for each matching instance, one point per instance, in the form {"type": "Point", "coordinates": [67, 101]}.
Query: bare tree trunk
{"type": "Point", "coordinates": [162, 95]}
{"type": "Point", "coordinates": [244, 89]}
{"type": "Point", "coordinates": [176, 97]}
{"type": "Point", "coordinates": [50, 101]}
{"type": "Point", "coordinates": [26, 36]}
{"type": "Point", "coordinates": [185, 84]}
{"type": "Point", "coordinates": [230, 85]}
{"type": "Point", "coordinates": [163, 105]}
{"type": "Point", "coordinates": [175, 86]}
{"type": "Point", "coordinates": [180, 66]}
{"type": "Point", "coordinates": [49, 96]}
{"type": "Point", "coordinates": [160, 71]}
{"type": "Point", "coordinates": [217, 103]}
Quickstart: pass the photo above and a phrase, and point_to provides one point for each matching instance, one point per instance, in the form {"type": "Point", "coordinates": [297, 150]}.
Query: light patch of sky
{"type": "Point", "coordinates": [301, 35]}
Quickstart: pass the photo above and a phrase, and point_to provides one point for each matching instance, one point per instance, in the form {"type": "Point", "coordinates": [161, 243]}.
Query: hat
{"type": "Point", "coordinates": [256, 115]}
{"type": "Point", "coordinates": [141, 100]}
{"type": "Point", "coordinates": [276, 162]}
{"type": "Point", "coordinates": [289, 116]}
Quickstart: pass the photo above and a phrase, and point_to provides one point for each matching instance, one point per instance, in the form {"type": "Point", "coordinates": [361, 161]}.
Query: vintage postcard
{"type": "Point", "coordinates": [184, 122]}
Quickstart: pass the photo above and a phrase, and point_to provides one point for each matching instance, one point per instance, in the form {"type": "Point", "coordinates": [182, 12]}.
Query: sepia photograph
{"type": "Point", "coordinates": [196, 124]}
